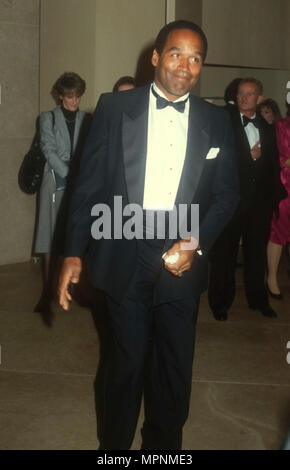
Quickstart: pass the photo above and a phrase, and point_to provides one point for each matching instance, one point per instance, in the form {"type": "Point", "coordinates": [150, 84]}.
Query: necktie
{"type": "Point", "coordinates": [254, 121]}
{"type": "Point", "coordinates": [162, 103]}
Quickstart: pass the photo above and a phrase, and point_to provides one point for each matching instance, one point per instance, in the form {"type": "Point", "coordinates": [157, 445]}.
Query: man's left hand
{"type": "Point", "coordinates": [186, 250]}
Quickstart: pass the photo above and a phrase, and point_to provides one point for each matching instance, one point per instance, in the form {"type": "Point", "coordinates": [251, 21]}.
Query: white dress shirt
{"type": "Point", "coordinates": [166, 149]}
{"type": "Point", "coordinates": [252, 132]}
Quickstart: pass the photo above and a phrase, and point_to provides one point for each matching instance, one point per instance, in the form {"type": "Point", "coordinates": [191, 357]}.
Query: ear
{"type": "Point", "coordinates": [155, 58]}
{"type": "Point", "coordinates": [260, 99]}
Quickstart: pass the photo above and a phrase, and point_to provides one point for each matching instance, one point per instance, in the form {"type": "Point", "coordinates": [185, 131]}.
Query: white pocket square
{"type": "Point", "coordinates": [212, 153]}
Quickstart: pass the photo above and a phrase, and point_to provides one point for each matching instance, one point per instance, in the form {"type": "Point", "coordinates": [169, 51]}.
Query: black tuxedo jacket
{"type": "Point", "coordinates": [114, 162]}
{"type": "Point", "coordinates": [258, 178]}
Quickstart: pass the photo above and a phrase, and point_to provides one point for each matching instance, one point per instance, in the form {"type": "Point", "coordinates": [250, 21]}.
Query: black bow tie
{"type": "Point", "coordinates": [254, 121]}
{"type": "Point", "coordinates": [163, 103]}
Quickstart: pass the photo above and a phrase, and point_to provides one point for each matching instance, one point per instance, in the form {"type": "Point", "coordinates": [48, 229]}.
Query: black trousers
{"type": "Point", "coordinates": [151, 351]}
{"type": "Point", "coordinates": [252, 226]}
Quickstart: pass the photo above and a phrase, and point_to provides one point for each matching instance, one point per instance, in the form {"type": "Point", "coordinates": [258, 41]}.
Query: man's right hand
{"type": "Point", "coordinates": [256, 150]}
{"type": "Point", "coordinates": [70, 273]}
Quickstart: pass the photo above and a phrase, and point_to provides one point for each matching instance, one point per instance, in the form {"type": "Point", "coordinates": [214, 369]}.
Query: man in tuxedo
{"type": "Point", "coordinates": [155, 148]}
{"type": "Point", "coordinates": [256, 156]}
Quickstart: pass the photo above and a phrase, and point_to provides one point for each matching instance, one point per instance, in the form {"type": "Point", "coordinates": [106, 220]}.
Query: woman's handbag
{"type": "Point", "coordinates": [31, 169]}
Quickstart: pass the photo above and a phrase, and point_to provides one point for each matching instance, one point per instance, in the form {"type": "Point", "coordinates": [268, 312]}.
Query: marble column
{"type": "Point", "coordinates": [19, 81]}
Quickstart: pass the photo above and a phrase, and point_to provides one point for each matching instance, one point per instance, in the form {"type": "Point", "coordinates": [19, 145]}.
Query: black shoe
{"type": "Point", "coordinates": [274, 296]}
{"type": "Point", "coordinates": [266, 311]}
{"type": "Point", "coordinates": [44, 308]}
{"type": "Point", "coordinates": [220, 315]}
{"type": "Point", "coordinates": [43, 305]}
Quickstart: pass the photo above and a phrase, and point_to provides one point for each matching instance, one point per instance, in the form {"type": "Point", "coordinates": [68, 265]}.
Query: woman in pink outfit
{"type": "Point", "coordinates": [280, 227]}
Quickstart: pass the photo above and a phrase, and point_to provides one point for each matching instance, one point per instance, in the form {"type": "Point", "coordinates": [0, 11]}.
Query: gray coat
{"type": "Point", "coordinates": [56, 146]}
{"type": "Point", "coordinates": [55, 141]}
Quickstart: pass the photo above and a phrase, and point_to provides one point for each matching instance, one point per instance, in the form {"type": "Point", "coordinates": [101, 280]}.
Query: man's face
{"type": "Point", "coordinates": [178, 67]}
{"type": "Point", "coordinates": [248, 97]}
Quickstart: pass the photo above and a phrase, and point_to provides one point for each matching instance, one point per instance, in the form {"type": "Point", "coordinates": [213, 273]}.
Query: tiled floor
{"type": "Point", "coordinates": [241, 381]}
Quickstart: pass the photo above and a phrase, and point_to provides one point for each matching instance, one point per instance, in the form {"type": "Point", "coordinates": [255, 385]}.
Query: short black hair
{"type": "Point", "coordinates": [66, 83]}
{"type": "Point", "coordinates": [179, 24]}
{"type": "Point", "coordinates": [126, 80]}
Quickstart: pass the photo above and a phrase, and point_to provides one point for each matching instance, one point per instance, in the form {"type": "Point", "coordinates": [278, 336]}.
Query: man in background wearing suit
{"type": "Point", "coordinates": [155, 147]}
{"type": "Point", "coordinates": [255, 152]}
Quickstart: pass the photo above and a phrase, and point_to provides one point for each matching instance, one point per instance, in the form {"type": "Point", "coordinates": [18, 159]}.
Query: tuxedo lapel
{"type": "Point", "coordinates": [198, 145]}
{"type": "Point", "coordinates": [242, 139]}
{"type": "Point", "coordinates": [134, 133]}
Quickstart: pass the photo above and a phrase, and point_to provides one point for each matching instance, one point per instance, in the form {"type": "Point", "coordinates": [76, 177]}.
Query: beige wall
{"type": "Point", "coordinates": [286, 34]}
{"type": "Point", "coordinates": [124, 29]}
{"type": "Point", "coordinates": [249, 38]}
{"type": "Point", "coordinates": [246, 38]}
{"type": "Point", "coordinates": [68, 44]}
{"type": "Point", "coordinates": [246, 33]}
{"type": "Point", "coordinates": [19, 80]}
{"type": "Point", "coordinates": [99, 39]}
{"type": "Point", "coordinates": [189, 10]}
